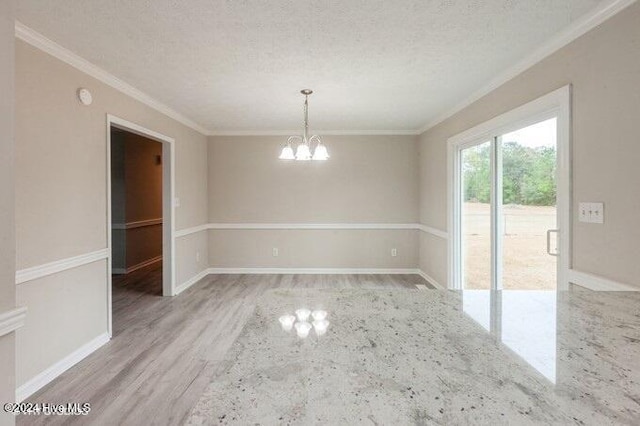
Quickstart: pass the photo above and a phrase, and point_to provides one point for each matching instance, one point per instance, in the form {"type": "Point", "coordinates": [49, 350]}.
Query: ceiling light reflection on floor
{"type": "Point", "coordinates": [303, 327]}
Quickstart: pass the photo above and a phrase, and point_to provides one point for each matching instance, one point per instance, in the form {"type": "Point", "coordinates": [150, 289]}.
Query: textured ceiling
{"type": "Point", "coordinates": [239, 64]}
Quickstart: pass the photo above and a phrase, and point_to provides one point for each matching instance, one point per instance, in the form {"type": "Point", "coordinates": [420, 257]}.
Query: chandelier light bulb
{"type": "Point", "coordinates": [303, 153]}
{"type": "Point", "coordinates": [287, 153]}
{"type": "Point", "coordinates": [320, 154]}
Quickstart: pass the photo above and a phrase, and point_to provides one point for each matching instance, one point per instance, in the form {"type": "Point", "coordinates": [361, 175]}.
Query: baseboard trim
{"type": "Point", "coordinates": [305, 271]}
{"type": "Point", "coordinates": [597, 283]}
{"type": "Point", "coordinates": [430, 279]}
{"type": "Point", "coordinates": [313, 226]}
{"type": "Point", "coordinates": [30, 274]}
{"type": "Point", "coordinates": [191, 281]}
{"type": "Point", "coordinates": [44, 378]}
{"type": "Point", "coordinates": [310, 271]}
{"type": "Point", "coordinates": [12, 320]}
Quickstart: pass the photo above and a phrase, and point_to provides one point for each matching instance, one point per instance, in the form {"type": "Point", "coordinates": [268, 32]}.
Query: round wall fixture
{"type": "Point", "coordinates": [84, 96]}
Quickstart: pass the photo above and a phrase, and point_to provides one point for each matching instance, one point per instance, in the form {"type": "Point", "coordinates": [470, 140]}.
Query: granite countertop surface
{"type": "Point", "coordinates": [433, 357]}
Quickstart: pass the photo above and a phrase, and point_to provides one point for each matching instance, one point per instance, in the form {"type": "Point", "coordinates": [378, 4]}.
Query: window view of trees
{"type": "Point", "coordinates": [529, 176]}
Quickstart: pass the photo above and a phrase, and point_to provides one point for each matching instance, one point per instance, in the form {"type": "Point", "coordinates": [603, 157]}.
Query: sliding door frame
{"type": "Point", "coordinates": [555, 104]}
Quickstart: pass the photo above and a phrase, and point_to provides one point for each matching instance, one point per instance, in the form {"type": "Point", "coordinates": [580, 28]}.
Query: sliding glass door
{"type": "Point", "coordinates": [475, 218]}
{"type": "Point", "coordinates": [506, 194]}
{"type": "Point", "coordinates": [528, 212]}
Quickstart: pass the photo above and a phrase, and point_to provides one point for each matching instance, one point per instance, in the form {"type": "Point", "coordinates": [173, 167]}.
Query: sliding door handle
{"type": "Point", "coordinates": [549, 231]}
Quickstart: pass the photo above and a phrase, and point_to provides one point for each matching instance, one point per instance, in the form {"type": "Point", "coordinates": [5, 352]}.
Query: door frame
{"type": "Point", "coordinates": [554, 104]}
{"type": "Point", "coordinates": [168, 213]}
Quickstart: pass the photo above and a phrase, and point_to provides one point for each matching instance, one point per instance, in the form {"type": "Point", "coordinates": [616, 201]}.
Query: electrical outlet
{"type": "Point", "coordinates": [198, 257]}
{"type": "Point", "coordinates": [275, 252]}
{"type": "Point", "coordinates": [394, 252]}
{"type": "Point", "coordinates": [176, 202]}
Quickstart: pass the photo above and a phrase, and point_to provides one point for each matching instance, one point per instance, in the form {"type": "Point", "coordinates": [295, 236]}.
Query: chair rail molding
{"type": "Point", "coordinates": [313, 226]}
{"type": "Point", "coordinates": [137, 224]}
{"type": "Point", "coordinates": [35, 272]}
{"type": "Point", "coordinates": [12, 320]}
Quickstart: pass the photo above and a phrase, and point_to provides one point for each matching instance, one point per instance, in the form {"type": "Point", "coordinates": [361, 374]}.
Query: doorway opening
{"type": "Point", "coordinates": [509, 205]}
{"type": "Point", "coordinates": [140, 213]}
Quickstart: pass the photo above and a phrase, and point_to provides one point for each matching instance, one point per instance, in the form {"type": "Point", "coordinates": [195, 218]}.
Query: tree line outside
{"type": "Point", "coordinates": [529, 174]}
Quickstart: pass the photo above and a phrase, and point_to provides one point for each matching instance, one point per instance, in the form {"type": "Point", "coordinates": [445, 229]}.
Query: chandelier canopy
{"type": "Point", "coordinates": [305, 150]}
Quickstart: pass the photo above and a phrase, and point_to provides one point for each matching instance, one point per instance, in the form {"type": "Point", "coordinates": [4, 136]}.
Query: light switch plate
{"type": "Point", "coordinates": [597, 212]}
{"type": "Point", "coordinates": [583, 212]}
{"type": "Point", "coordinates": [591, 212]}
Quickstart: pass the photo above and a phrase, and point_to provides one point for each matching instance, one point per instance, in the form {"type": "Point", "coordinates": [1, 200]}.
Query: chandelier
{"type": "Point", "coordinates": [304, 143]}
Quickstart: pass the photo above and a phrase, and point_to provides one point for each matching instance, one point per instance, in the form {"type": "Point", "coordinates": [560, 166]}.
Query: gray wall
{"type": "Point", "coordinates": [7, 235]}
{"type": "Point", "coordinates": [604, 68]}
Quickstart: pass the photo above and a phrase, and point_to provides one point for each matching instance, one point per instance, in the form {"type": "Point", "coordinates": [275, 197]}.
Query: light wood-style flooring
{"type": "Point", "coordinates": [164, 350]}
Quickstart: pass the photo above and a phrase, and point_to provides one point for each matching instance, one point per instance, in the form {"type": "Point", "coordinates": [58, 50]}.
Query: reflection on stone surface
{"type": "Point", "coordinates": [303, 327]}
{"type": "Point", "coordinates": [319, 315]}
{"type": "Point", "coordinates": [287, 322]}
{"type": "Point", "coordinates": [303, 314]}
{"type": "Point", "coordinates": [522, 320]}
{"type": "Point", "coordinates": [320, 326]}
{"type": "Point", "coordinates": [417, 357]}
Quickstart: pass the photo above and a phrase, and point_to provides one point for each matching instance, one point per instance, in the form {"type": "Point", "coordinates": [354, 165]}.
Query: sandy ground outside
{"type": "Point", "coordinates": [526, 264]}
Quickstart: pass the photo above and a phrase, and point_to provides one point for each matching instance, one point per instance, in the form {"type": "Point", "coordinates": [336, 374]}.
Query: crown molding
{"type": "Point", "coordinates": [577, 29]}
{"type": "Point", "coordinates": [591, 20]}
{"type": "Point", "coordinates": [319, 132]}
{"type": "Point", "coordinates": [39, 41]}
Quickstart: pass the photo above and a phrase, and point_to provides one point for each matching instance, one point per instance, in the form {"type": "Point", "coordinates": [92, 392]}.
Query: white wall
{"type": "Point", "coordinates": [368, 179]}
{"type": "Point", "coordinates": [7, 235]}
{"type": "Point", "coordinates": [604, 68]}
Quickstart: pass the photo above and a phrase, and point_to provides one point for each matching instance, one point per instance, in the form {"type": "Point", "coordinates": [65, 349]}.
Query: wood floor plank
{"type": "Point", "coordinates": [165, 350]}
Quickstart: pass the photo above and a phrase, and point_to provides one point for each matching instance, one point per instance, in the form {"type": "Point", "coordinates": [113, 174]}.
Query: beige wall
{"type": "Point", "coordinates": [143, 189]}
{"type": "Point", "coordinates": [61, 201]}
{"type": "Point", "coordinates": [7, 234]}
{"type": "Point", "coordinates": [369, 179]}
{"type": "Point", "coordinates": [604, 68]}
{"type": "Point", "coordinates": [313, 248]}
{"type": "Point", "coordinates": [143, 177]}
